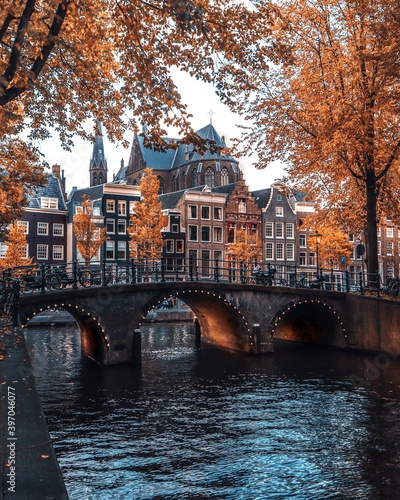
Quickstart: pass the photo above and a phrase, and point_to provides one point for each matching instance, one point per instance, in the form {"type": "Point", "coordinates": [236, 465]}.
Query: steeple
{"type": "Point", "coordinates": [98, 163]}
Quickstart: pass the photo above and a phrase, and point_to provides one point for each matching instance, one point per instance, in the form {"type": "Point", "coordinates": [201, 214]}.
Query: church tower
{"type": "Point", "coordinates": [98, 163]}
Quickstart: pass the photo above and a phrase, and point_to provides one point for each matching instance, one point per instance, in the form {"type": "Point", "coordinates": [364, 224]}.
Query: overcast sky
{"type": "Point", "coordinates": [200, 98]}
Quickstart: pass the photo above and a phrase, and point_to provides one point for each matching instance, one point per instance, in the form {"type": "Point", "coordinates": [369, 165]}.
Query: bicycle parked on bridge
{"type": "Point", "coordinates": [259, 277]}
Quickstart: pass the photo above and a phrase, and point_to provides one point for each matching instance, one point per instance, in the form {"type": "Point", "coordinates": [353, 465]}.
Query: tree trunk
{"type": "Point", "coordinates": [371, 234]}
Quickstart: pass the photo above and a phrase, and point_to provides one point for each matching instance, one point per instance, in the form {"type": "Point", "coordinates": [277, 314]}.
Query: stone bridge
{"type": "Point", "coordinates": [232, 316]}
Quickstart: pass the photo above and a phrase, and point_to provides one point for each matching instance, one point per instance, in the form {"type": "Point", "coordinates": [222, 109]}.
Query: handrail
{"type": "Point", "coordinates": [43, 278]}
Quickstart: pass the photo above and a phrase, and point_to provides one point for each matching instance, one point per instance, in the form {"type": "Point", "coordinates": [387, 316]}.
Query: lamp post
{"type": "Point", "coordinates": [317, 238]}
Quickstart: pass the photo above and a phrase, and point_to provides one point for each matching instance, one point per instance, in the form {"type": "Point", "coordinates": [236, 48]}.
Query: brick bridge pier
{"type": "Point", "coordinates": [232, 316]}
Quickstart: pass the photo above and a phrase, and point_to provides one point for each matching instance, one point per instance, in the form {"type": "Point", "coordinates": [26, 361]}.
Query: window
{"type": "Point", "coordinates": [3, 249]}
{"type": "Point", "coordinates": [192, 211]}
{"type": "Point", "coordinates": [269, 251]}
{"type": "Point", "coordinates": [110, 206]}
{"type": "Point", "coordinates": [303, 241]}
{"type": "Point", "coordinates": [205, 233]}
{"type": "Point", "coordinates": [279, 197]}
{"type": "Point", "coordinates": [378, 232]}
{"type": "Point", "coordinates": [279, 211]}
{"type": "Point", "coordinates": [58, 252]}
{"type": "Point", "coordinates": [253, 229]}
{"type": "Point", "coordinates": [174, 228]}
{"type": "Point", "coordinates": [205, 213]}
{"type": "Point", "coordinates": [132, 207]}
{"type": "Point", "coordinates": [379, 248]}
{"type": "Point", "coordinates": [205, 262]}
{"type": "Point", "coordinates": [218, 257]}
{"type": "Point", "coordinates": [389, 232]}
{"type": "Point", "coordinates": [279, 230]}
{"type": "Point", "coordinates": [121, 250]}
{"type": "Point", "coordinates": [24, 225]}
{"type": "Point", "coordinates": [110, 250]}
{"type": "Point", "coordinates": [312, 259]}
{"type": "Point", "coordinates": [121, 207]}
{"type": "Point", "coordinates": [398, 248]}
{"type": "Point", "coordinates": [289, 230]}
{"type": "Point", "coordinates": [195, 180]}
{"type": "Point", "coordinates": [192, 233]}
{"type": "Point", "coordinates": [169, 264]}
{"type": "Point", "coordinates": [303, 259]}
{"type": "Point", "coordinates": [121, 226]}
{"type": "Point", "coordinates": [209, 177]}
{"type": "Point", "coordinates": [217, 234]}
{"type": "Point", "coordinates": [25, 252]}
{"type": "Point", "coordinates": [389, 248]}
{"type": "Point", "coordinates": [279, 251]}
{"type": "Point", "coordinates": [242, 206]}
{"type": "Point", "coordinates": [110, 224]}
{"type": "Point", "coordinates": [290, 251]}
{"type": "Point", "coordinates": [58, 229]}
{"type": "Point", "coordinates": [51, 203]}
{"type": "Point", "coordinates": [231, 232]}
{"type": "Point", "coordinates": [169, 246]}
{"type": "Point", "coordinates": [224, 177]}
{"type": "Point", "coordinates": [43, 228]}
{"type": "Point", "coordinates": [42, 252]}
{"type": "Point", "coordinates": [217, 213]}
{"type": "Point", "coordinates": [269, 229]}
{"type": "Point", "coordinates": [179, 246]}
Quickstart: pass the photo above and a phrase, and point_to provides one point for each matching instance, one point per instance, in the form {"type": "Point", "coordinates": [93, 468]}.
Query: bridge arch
{"type": "Point", "coordinates": [94, 341]}
{"type": "Point", "coordinates": [309, 321]}
{"type": "Point", "coordinates": [221, 321]}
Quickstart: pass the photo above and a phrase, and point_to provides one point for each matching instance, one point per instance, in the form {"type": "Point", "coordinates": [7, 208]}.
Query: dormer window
{"type": "Point", "coordinates": [51, 203]}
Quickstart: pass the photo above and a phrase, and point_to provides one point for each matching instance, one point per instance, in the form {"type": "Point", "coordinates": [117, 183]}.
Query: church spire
{"type": "Point", "coordinates": [98, 162]}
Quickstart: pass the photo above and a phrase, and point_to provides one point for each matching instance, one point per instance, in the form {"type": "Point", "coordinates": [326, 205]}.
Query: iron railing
{"type": "Point", "coordinates": [42, 278]}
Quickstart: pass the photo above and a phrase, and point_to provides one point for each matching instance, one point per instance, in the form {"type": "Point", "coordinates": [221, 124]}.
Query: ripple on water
{"type": "Point", "coordinates": [210, 424]}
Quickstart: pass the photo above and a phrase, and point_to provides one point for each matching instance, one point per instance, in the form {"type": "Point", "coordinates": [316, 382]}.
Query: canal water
{"type": "Point", "coordinates": [302, 423]}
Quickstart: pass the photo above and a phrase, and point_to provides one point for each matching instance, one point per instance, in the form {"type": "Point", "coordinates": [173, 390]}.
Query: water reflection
{"type": "Point", "coordinates": [205, 423]}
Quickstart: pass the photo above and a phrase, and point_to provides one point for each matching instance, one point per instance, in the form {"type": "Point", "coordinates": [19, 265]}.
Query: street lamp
{"type": "Point", "coordinates": [317, 238]}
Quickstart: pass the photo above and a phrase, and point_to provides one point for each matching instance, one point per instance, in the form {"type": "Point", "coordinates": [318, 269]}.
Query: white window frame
{"type": "Point", "coordinates": [279, 211]}
{"type": "Point", "coordinates": [57, 226]}
{"type": "Point", "coordinates": [49, 203]}
{"type": "Point", "coordinates": [43, 250]}
{"type": "Point", "coordinates": [58, 252]}
{"type": "Point", "coordinates": [110, 206]}
{"type": "Point", "coordinates": [44, 226]}
{"type": "Point", "coordinates": [24, 225]}
{"type": "Point", "coordinates": [121, 207]}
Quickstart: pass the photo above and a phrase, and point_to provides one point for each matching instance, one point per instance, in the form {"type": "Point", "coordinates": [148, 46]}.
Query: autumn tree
{"type": "Point", "coordinates": [89, 236]}
{"type": "Point", "coordinates": [246, 247]}
{"type": "Point", "coordinates": [16, 248]}
{"type": "Point", "coordinates": [67, 61]}
{"type": "Point", "coordinates": [333, 245]}
{"type": "Point", "coordinates": [146, 223]}
{"type": "Point", "coordinates": [329, 104]}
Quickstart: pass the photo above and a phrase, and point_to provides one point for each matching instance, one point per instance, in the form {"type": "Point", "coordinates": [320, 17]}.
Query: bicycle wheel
{"type": "Point", "coordinates": [394, 289]}
{"type": "Point", "coordinates": [85, 278]}
{"type": "Point", "coordinates": [121, 277]}
{"type": "Point", "coordinates": [25, 286]}
{"type": "Point", "coordinates": [56, 281]}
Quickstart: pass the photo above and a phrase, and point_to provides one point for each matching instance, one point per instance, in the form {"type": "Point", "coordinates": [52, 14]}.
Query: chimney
{"type": "Point", "coordinates": [56, 170]}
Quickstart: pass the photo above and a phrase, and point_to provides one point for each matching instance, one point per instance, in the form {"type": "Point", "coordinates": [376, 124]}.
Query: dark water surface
{"type": "Point", "coordinates": [302, 423]}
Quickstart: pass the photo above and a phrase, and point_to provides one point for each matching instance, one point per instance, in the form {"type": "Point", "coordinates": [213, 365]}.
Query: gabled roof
{"type": "Point", "coordinates": [170, 200]}
{"type": "Point", "coordinates": [227, 189]}
{"type": "Point", "coordinates": [262, 197]}
{"type": "Point", "coordinates": [52, 189]}
{"type": "Point", "coordinates": [183, 153]}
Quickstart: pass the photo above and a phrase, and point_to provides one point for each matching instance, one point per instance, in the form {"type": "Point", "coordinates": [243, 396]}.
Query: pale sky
{"type": "Point", "coordinates": [200, 98]}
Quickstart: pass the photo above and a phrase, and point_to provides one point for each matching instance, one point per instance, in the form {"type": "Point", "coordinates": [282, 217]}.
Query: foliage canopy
{"type": "Point", "coordinates": [328, 105]}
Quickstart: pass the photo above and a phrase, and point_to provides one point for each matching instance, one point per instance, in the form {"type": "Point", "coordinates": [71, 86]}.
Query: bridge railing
{"type": "Point", "coordinates": [42, 278]}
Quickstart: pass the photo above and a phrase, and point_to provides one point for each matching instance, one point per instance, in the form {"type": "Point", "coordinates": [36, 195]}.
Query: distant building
{"type": "Point", "coordinates": [98, 163]}
{"type": "Point", "coordinates": [182, 167]}
{"type": "Point", "coordinates": [113, 204]}
{"type": "Point", "coordinates": [44, 222]}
